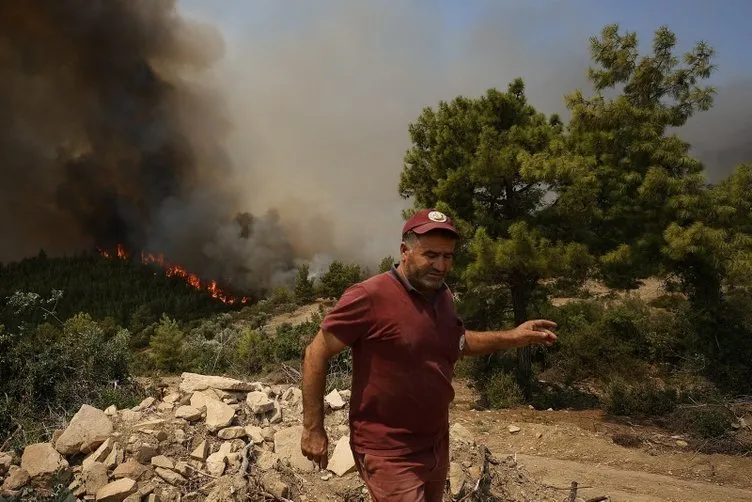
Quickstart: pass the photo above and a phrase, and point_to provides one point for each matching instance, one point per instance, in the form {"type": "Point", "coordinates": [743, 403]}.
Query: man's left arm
{"type": "Point", "coordinates": [536, 332]}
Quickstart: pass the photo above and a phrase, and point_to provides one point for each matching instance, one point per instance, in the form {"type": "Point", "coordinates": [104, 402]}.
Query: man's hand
{"type": "Point", "coordinates": [315, 446]}
{"type": "Point", "coordinates": [536, 332]}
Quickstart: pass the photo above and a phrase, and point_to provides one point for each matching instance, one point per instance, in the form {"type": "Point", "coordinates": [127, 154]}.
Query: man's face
{"type": "Point", "coordinates": [429, 260]}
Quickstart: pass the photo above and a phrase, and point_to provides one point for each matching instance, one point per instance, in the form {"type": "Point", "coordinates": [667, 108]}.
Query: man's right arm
{"type": "Point", "coordinates": [314, 443]}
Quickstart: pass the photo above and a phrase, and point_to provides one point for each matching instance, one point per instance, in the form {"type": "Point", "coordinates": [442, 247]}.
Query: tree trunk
{"type": "Point", "coordinates": [524, 375]}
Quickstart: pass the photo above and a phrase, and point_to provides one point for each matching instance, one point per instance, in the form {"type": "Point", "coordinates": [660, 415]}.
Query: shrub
{"type": "Point", "coordinates": [167, 345]}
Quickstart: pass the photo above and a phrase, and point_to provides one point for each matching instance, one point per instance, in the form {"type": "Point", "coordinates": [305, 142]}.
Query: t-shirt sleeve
{"type": "Point", "coordinates": [351, 317]}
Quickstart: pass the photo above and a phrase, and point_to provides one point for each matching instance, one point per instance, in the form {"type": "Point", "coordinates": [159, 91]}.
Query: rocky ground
{"type": "Point", "coordinates": [219, 439]}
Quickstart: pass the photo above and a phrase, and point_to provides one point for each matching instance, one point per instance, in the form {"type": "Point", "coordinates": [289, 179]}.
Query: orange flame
{"type": "Point", "coordinates": [172, 270]}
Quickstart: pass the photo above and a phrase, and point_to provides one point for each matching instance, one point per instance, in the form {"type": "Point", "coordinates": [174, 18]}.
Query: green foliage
{"type": "Point", "coordinates": [106, 287]}
{"type": "Point", "coordinates": [502, 391]}
{"type": "Point", "coordinates": [49, 366]}
{"type": "Point", "coordinates": [304, 290]}
{"type": "Point", "coordinates": [386, 264]}
{"type": "Point", "coordinates": [618, 178]}
{"type": "Point", "coordinates": [167, 348]}
{"type": "Point", "coordinates": [338, 278]}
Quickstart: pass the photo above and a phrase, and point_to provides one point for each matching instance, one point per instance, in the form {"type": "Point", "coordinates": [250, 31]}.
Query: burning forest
{"type": "Point", "coordinates": [108, 138]}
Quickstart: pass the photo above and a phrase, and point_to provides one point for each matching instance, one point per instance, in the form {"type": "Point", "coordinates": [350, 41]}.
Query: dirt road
{"type": "Point", "coordinates": [565, 446]}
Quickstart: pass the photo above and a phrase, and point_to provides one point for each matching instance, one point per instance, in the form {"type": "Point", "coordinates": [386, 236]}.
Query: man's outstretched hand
{"type": "Point", "coordinates": [536, 332]}
{"type": "Point", "coordinates": [314, 445]}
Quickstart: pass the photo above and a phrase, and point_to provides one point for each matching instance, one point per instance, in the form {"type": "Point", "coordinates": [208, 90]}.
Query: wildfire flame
{"type": "Point", "coordinates": [172, 270]}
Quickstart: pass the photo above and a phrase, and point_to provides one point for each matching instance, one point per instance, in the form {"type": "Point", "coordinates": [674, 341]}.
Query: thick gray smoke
{"type": "Point", "coordinates": [108, 137]}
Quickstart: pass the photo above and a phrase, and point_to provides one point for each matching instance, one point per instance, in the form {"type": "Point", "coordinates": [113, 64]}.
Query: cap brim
{"type": "Point", "coordinates": [427, 227]}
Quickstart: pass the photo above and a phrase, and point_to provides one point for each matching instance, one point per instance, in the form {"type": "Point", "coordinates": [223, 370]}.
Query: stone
{"type": "Point", "coordinates": [163, 462]}
{"type": "Point", "coordinates": [170, 476]}
{"type": "Point", "coordinates": [345, 394]}
{"type": "Point", "coordinates": [191, 382]}
{"type": "Point", "coordinates": [182, 469]}
{"type": "Point", "coordinates": [334, 400]}
{"type": "Point", "coordinates": [115, 457]}
{"type": "Point", "coordinates": [255, 433]}
{"type": "Point", "coordinates": [277, 415]}
{"type": "Point", "coordinates": [88, 429]}
{"type": "Point", "coordinates": [201, 451]}
{"type": "Point", "coordinates": [111, 410]}
{"type": "Point", "coordinates": [456, 478]}
{"type": "Point", "coordinates": [292, 396]}
{"type": "Point", "coordinates": [178, 436]}
{"type": "Point", "coordinates": [150, 424]}
{"type": "Point", "coordinates": [130, 416]}
{"type": "Point", "coordinates": [216, 463]}
{"type": "Point", "coordinates": [681, 444]}
{"type": "Point", "coordinates": [201, 397]}
{"type": "Point", "coordinates": [100, 455]}
{"type": "Point", "coordinates": [16, 479]}
{"type": "Point", "coordinates": [218, 415]}
{"type": "Point", "coordinates": [342, 461]}
{"type": "Point", "coordinates": [232, 432]}
{"type": "Point", "coordinates": [94, 478]}
{"type": "Point", "coordinates": [117, 491]}
{"type": "Point", "coordinates": [6, 460]}
{"type": "Point", "coordinates": [129, 469]}
{"type": "Point", "coordinates": [287, 447]}
{"type": "Point", "coordinates": [41, 460]}
{"type": "Point", "coordinates": [165, 407]}
{"type": "Point", "coordinates": [267, 460]}
{"type": "Point", "coordinates": [172, 398]}
{"type": "Point", "coordinates": [513, 429]}
{"type": "Point", "coordinates": [188, 412]}
{"type": "Point", "coordinates": [143, 452]}
{"type": "Point", "coordinates": [259, 402]}
{"type": "Point", "coordinates": [460, 433]}
{"type": "Point", "coordinates": [146, 403]}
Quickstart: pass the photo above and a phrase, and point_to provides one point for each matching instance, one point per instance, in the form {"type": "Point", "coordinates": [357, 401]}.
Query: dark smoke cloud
{"type": "Point", "coordinates": [108, 136]}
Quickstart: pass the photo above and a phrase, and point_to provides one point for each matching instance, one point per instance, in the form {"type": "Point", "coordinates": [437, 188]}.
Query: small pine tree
{"type": "Point", "coordinates": [304, 291]}
{"type": "Point", "coordinates": [386, 264]}
{"type": "Point", "coordinates": [167, 344]}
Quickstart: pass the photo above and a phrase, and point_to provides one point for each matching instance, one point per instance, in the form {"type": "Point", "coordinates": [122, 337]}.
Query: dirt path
{"type": "Point", "coordinates": [624, 485]}
{"type": "Point", "coordinates": [562, 446]}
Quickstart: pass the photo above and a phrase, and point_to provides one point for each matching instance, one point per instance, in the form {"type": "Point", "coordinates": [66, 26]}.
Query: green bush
{"type": "Point", "coordinates": [50, 367]}
{"type": "Point", "coordinates": [502, 391]}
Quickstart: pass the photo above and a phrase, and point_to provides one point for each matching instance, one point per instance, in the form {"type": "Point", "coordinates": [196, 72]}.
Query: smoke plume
{"type": "Point", "coordinates": [108, 136]}
{"type": "Point", "coordinates": [277, 142]}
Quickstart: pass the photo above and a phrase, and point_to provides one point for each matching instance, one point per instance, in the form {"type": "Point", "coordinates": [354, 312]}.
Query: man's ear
{"type": "Point", "coordinates": [403, 248]}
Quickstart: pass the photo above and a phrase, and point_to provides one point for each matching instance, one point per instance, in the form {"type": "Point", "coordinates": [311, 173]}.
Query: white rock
{"type": "Point", "coordinates": [255, 433]}
{"type": "Point", "coordinates": [162, 461]}
{"type": "Point", "coordinates": [460, 433]}
{"type": "Point", "coordinates": [218, 415]}
{"type": "Point", "coordinates": [88, 429]}
{"type": "Point", "coordinates": [100, 455]}
{"type": "Point", "coordinates": [342, 461]}
{"type": "Point", "coordinates": [334, 400]}
{"type": "Point", "coordinates": [192, 382]}
{"type": "Point", "coordinates": [116, 491]}
{"type": "Point", "coordinates": [42, 460]}
{"type": "Point", "coordinates": [201, 451]}
{"type": "Point", "coordinates": [216, 463]}
{"type": "Point", "coordinates": [111, 411]}
{"type": "Point", "coordinates": [259, 402]}
{"type": "Point", "coordinates": [287, 448]}
{"type": "Point", "coordinates": [231, 433]}
{"type": "Point", "coordinates": [456, 478]}
{"type": "Point", "coordinates": [513, 429]}
{"type": "Point", "coordinates": [188, 412]}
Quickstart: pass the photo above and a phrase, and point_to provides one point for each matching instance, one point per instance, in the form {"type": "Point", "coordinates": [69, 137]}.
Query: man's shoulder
{"type": "Point", "coordinates": [377, 284]}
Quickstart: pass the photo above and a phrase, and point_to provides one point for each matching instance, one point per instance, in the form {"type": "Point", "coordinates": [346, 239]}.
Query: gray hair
{"type": "Point", "coordinates": [410, 239]}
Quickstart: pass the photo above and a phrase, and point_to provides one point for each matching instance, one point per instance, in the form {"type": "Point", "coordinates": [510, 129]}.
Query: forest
{"type": "Point", "coordinates": [547, 207]}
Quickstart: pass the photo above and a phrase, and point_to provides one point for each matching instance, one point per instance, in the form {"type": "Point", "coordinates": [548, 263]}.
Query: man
{"type": "Point", "coordinates": [405, 337]}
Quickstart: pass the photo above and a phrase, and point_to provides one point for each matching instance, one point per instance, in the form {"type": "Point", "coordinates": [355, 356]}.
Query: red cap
{"type": "Point", "coordinates": [426, 220]}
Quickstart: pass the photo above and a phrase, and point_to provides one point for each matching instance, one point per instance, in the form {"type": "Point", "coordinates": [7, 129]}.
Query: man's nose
{"type": "Point", "coordinates": [441, 264]}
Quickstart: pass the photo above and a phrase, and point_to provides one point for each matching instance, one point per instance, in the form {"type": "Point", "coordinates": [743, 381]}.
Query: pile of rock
{"type": "Point", "coordinates": [197, 443]}
{"type": "Point", "coordinates": [221, 439]}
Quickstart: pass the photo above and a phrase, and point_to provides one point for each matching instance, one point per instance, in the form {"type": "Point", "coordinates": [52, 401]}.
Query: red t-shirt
{"type": "Point", "coordinates": [404, 348]}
